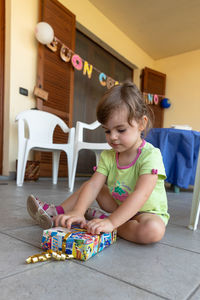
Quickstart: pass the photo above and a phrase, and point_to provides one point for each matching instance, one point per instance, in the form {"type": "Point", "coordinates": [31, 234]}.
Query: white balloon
{"type": "Point", "coordinates": [44, 33]}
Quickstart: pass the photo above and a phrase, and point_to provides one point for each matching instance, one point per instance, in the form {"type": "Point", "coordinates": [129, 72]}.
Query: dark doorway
{"type": "Point", "coordinates": [88, 91]}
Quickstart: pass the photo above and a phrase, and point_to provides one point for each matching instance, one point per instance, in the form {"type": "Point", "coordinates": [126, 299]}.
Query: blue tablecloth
{"type": "Point", "coordinates": [180, 150]}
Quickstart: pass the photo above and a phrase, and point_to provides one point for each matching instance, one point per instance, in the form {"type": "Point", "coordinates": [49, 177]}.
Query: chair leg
{"type": "Point", "coordinates": [56, 159]}
{"type": "Point", "coordinates": [74, 166]}
{"type": "Point", "coordinates": [20, 162]}
{"type": "Point", "coordinates": [195, 210]}
{"type": "Point", "coordinates": [23, 163]}
{"type": "Point", "coordinates": [19, 169]}
{"type": "Point", "coordinates": [97, 154]}
{"type": "Point", "coordinates": [70, 166]}
{"type": "Point", "coordinates": [194, 217]}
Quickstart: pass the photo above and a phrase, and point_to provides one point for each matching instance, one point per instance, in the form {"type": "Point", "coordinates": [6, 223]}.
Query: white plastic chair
{"type": "Point", "coordinates": [41, 127]}
{"type": "Point", "coordinates": [80, 144]}
{"type": "Point", "coordinates": [195, 209]}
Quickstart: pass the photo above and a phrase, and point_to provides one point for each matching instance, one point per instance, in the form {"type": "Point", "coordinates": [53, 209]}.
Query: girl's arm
{"type": "Point", "coordinates": [90, 192]}
{"type": "Point", "coordinates": [143, 189]}
{"type": "Point", "coordinates": [87, 195]}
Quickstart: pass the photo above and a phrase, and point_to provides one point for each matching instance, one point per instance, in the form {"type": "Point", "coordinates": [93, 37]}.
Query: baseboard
{"type": "Point", "coordinates": [11, 176]}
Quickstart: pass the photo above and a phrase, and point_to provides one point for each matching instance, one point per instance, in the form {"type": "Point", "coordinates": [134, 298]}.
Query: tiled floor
{"type": "Point", "coordinates": [166, 270]}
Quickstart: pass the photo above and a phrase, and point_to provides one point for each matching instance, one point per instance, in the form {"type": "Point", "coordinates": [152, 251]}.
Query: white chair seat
{"type": "Point", "coordinates": [80, 144]}
{"type": "Point", "coordinates": [41, 126]}
{"type": "Point", "coordinates": [93, 146]}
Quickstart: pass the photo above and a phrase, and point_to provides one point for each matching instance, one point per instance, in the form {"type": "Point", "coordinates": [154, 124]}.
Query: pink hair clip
{"type": "Point", "coordinates": [154, 171]}
{"type": "Point", "coordinates": [94, 168]}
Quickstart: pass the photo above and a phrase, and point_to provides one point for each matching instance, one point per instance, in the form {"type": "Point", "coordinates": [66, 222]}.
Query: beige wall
{"type": "Point", "coordinates": [21, 60]}
{"type": "Point", "coordinates": [20, 71]}
{"type": "Point", "coordinates": [183, 88]}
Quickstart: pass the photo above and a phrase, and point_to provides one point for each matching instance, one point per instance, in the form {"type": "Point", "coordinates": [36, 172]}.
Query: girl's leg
{"type": "Point", "coordinates": [70, 202]}
{"type": "Point", "coordinates": [144, 228]}
{"type": "Point", "coordinates": [106, 201]}
{"type": "Point", "coordinates": [44, 214]}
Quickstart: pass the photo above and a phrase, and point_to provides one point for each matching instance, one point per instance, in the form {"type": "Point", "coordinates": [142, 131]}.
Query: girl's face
{"type": "Point", "coordinates": [122, 136]}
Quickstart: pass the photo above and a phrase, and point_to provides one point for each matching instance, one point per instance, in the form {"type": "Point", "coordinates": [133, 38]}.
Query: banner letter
{"type": "Point", "coordinates": [77, 62]}
{"type": "Point", "coordinates": [102, 79]}
{"type": "Point", "coordinates": [87, 69]}
{"type": "Point", "coordinates": [150, 98]}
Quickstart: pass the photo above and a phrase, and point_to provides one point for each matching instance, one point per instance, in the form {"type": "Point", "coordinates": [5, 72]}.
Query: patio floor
{"type": "Point", "coordinates": [169, 269]}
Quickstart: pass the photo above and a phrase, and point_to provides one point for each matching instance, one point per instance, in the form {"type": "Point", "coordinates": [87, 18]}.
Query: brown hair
{"type": "Point", "coordinates": [128, 95]}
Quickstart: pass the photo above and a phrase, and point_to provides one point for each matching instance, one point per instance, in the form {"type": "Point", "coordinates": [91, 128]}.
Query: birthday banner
{"type": "Point", "coordinates": [80, 64]}
{"type": "Point", "coordinates": [45, 35]}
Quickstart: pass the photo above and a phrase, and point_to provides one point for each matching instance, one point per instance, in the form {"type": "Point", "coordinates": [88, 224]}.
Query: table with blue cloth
{"type": "Point", "coordinates": [180, 150]}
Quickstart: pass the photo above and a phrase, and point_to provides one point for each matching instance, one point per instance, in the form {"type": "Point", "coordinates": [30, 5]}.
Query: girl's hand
{"type": "Point", "coordinates": [96, 226]}
{"type": "Point", "coordinates": [66, 220]}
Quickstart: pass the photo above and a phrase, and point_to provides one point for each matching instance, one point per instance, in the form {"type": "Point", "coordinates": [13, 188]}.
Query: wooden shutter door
{"type": "Point", "coordinates": [154, 82]}
{"type": "Point", "coordinates": [56, 77]}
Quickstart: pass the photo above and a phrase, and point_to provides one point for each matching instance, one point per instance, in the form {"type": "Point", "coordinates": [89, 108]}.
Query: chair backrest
{"type": "Point", "coordinates": [40, 124]}
{"type": "Point", "coordinates": [80, 126]}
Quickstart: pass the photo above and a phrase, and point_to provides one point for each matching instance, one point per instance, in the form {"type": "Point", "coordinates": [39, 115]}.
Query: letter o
{"type": "Point", "coordinates": [77, 62]}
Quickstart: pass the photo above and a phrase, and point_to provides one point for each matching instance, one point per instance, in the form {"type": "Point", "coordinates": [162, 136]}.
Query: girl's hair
{"type": "Point", "coordinates": [128, 95]}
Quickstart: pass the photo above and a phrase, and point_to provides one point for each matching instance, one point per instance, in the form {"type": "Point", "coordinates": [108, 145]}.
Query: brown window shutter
{"type": "Point", "coordinates": [154, 82]}
{"type": "Point", "coordinates": [56, 77]}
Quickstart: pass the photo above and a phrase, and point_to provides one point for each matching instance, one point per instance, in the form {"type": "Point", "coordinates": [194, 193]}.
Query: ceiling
{"type": "Point", "coordinates": [161, 28]}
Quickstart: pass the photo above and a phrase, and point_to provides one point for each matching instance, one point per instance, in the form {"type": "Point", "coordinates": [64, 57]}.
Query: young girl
{"type": "Point", "coordinates": [128, 182]}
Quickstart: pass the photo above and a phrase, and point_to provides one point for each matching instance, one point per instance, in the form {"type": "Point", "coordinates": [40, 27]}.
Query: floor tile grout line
{"type": "Point", "coordinates": [178, 225]}
{"type": "Point", "coordinates": [176, 247]}
{"type": "Point", "coordinates": [25, 270]}
{"type": "Point", "coordinates": [193, 292]}
{"type": "Point", "coordinates": [22, 227]}
{"type": "Point", "coordinates": [21, 240]}
{"type": "Point", "coordinates": [118, 279]}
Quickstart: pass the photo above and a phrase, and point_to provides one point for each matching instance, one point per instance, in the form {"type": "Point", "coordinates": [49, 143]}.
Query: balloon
{"type": "Point", "coordinates": [44, 33]}
{"type": "Point", "coordinates": [165, 103]}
